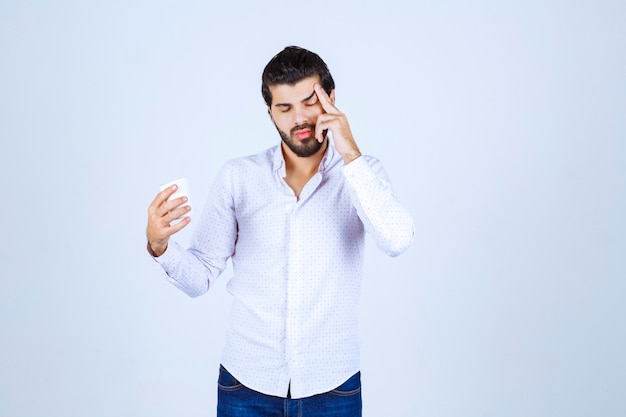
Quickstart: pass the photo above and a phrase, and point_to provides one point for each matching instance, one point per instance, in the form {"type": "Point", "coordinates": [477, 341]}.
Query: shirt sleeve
{"type": "Point", "coordinates": [383, 216]}
{"type": "Point", "coordinates": [212, 243]}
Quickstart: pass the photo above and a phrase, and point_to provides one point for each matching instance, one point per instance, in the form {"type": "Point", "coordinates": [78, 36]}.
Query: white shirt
{"type": "Point", "coordinates": [297, 265]}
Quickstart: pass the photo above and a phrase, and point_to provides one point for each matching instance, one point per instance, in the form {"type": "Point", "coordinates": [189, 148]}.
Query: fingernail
{"type": "Point", "coordinates": [174, 187]}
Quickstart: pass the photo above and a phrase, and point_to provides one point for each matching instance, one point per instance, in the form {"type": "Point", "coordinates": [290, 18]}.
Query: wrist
{"type": "Point", "coordinates": [156, 250]}
{"type": "Point", "coordinates": [350, 156]}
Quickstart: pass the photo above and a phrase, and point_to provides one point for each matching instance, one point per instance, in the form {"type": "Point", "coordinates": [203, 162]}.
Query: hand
{"type": "Point", "coordinates": [160, 213]}
{"type": "Point", "coordinates": [337, 123]}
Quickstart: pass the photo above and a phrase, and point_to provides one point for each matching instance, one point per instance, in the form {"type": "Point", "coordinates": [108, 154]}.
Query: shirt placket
{"type": "Point", "coordinates": [296, 263]}
{"type": "Point", "coordinates": [294, 271]}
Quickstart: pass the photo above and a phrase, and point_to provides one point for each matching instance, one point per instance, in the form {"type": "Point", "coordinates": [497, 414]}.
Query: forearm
{"type": "Point", "coordinates": [389, 223]}
{"type": "Point", "coordinates": [213, 242]}
{"type": "Point", "coordinates": [186, 270]}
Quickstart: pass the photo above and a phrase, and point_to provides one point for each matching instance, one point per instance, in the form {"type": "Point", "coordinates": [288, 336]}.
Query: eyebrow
{"type": "Point", "coordinates": [309, 97]}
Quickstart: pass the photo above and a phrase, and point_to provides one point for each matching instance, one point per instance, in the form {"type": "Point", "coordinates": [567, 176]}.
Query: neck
{"type": "Point", "coordinates": [307, 165]}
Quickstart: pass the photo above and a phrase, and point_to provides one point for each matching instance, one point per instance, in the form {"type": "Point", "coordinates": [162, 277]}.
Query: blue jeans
{"type": "Point", "coordinates": [236, 400]}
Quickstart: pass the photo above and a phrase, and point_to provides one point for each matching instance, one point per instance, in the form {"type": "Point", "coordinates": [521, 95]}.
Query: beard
{"type": "Point", "coordinates": [301, 147]}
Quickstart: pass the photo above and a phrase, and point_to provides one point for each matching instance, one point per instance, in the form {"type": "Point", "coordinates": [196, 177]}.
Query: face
{"type": "Point", "coordinates": [294, 111]}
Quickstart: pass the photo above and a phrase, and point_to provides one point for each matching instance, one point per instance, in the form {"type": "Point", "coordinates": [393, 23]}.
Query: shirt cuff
{"type": "Point", "coordinates": [361, 177]}
{"type": "Point", "coordinates": [355, 168]}
{"type": "Point", "coordinates": [167, 257]}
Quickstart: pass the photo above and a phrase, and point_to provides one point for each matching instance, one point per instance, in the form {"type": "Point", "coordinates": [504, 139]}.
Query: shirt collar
{"type": "Point", "coordinates": [278, 160]}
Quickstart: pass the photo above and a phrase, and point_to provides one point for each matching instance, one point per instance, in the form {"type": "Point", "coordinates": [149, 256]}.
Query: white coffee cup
{"type": "Point", "coordinates": [182, 191]}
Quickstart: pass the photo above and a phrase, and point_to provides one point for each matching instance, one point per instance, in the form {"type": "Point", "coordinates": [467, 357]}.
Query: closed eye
{"type": "Point", "coordinates": [311, 100]}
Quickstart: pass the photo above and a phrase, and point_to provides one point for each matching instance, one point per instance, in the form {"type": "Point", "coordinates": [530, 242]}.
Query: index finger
{"type": "Point", "coordinates": [324, 99]}
{"type": "Point", "coordinates": [162, 196]}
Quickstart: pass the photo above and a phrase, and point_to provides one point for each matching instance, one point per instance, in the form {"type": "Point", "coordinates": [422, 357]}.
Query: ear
{"type": "Point", "coordinates": [332, 96]}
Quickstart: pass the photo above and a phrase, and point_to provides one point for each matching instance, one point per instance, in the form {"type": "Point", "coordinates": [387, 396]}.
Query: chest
{"type": "Point", "coordinates": [310, 209]}
{"type": "Point", "coordinates": [297, 182]}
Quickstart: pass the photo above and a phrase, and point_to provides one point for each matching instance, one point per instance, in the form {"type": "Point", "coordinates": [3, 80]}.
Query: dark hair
{"type": "Point", "coordinates": [292, 65]}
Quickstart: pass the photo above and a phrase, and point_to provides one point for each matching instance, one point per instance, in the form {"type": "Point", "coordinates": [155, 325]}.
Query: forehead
{"type": "Point", "coordinates": [293, 93]}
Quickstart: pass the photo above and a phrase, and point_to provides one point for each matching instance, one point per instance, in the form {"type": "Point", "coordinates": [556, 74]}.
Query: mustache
{"type": "Point", "coordinates": [302, 126]}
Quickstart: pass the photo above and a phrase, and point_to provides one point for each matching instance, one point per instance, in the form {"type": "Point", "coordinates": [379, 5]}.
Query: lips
{"type": "Point", "coordinates": [303, 134]}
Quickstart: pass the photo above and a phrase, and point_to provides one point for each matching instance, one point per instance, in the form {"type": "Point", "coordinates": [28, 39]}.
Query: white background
{"type": "Point", "coordinates": [502, 127]}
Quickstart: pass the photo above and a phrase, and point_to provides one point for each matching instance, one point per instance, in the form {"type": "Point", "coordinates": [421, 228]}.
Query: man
{"type": "Point", "coordinates": [292, 219]}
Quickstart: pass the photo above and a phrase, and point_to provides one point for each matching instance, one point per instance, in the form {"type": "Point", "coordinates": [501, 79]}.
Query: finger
{"type": "Point", "coordinates": [168, 230]}
{"type": "Point", "coordinates": [176, 214]}
{"type": "Point", "coordinates": [324, 99]}
{"type": "Point", "coordinates": [173, 204]}
{"type": "Point", "coordinates": [163, 196]}
{"type": "Point", "coordinates": [323, 124]}
{"type": "Point", "coordinates": [178, 226]}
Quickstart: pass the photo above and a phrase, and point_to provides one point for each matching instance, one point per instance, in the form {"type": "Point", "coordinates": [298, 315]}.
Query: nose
{"type": "Point", "coordinates": [301, 115]}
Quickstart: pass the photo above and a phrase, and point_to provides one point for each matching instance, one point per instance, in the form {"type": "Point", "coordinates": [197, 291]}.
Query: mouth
{"type": "Point", "coordinates": [303, 134]}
